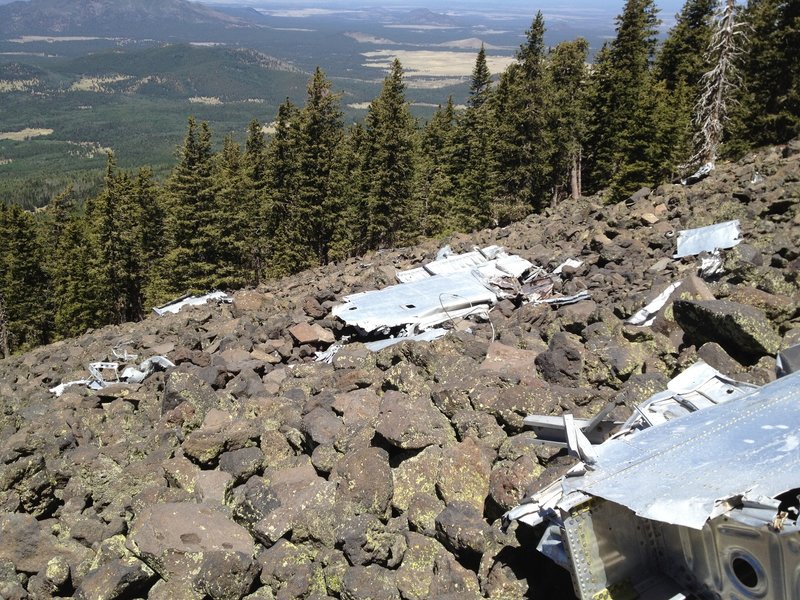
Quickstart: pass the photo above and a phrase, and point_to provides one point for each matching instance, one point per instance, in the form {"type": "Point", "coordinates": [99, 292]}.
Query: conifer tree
{"type": "Point", "coordinates": [473, 155]}
{"type": "Point", "coordinates": [681, 57]}
{"type": "Point", "coordinates": [255, 173]}
{"type": "Point", "coordinates": [567, 64]}
{"type": "Point", "coordinates": [232, 219]}
{"type": "Point", "coordinates": [718, 86]}
{"type": "Point", "coordinates": [770, 111]}
{"type": "Point", "coordinates": [389, 165]}
{"type": "Point", "coordinates": [282, 233]}
{"type": "Point", "coordinates": [23, 282]}
{"type": "Point", "coordinates": [349, 189]}
{"type": "Point", "coordinates": [481, 81]}
{"type": "Point", "coordinates": [189, 262]}
{"type": "Point", "coordinates": [320, 134]}
{"type": "Point", "coordinates": [523, 105]}
{"type": "Point", "coordinates": [621, 126]}
{"type": "Point", "coordinates": [435, 184]}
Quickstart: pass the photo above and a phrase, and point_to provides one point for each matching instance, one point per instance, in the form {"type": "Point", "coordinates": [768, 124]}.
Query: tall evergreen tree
{"type": "Point", "coordinates": [770, 111]}
{"type": "Point", "coordinates": [256, 181]}
{"type": "Point", "coordinates": [522, 112]}
{"type": "Point", "coordinates": [320, 134]}
{"type": "Point", "coordinates": [435, 182]}
{"type": "Point", "coordinates": [189, 262]}
{"type": "Point", "coordinates": [389, 165]}
{"type": "Point", "coordinates": [481, 81]}
{"type": "Point", "coordinates": [621, 127]}
{"type": "Point", "coordinates": [567, 63]}
{"type": "Point", "coordinates": [473, 156]}
{"type": "Point", "coordinates": [232, 220]}
{"type": "Point", "coordinates": [681, 57]}
{"type": "Point", "coordinates": [282, 233]}
{"type": "Point", "coordinates": [23, 281]}
{"type": "Point", "coordinates": [349, 190]}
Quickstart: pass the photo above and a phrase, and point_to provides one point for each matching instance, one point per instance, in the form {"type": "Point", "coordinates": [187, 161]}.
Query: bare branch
{"type": "Point", "coordinates": [718, 85]}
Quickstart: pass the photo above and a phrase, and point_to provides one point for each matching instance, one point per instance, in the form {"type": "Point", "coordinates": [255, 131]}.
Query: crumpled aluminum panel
{"type": "Point", "coordinates": [707, 239]}
{"type": "Point", "coordinates": [422, 304]}
{"type": "Point", "coordinates": [684, 471]}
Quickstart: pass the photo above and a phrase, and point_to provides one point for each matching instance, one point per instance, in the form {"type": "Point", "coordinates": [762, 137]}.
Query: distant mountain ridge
{"type": "Point", "coordinates": [108, 17]}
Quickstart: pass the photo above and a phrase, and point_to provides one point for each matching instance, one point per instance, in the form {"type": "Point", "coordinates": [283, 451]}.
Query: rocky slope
{"type": "Point", "coordinates": [249, 470]}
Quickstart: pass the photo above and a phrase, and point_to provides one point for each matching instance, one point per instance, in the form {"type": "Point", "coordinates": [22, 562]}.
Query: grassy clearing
{"type": "Point", "coordinates": [431, 63]}
{"type": "Point", "coordinates": [24, 134]}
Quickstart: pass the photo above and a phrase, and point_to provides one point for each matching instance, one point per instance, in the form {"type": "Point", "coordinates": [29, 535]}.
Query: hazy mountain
{"type": "Point", "coordinates": [108, 17]}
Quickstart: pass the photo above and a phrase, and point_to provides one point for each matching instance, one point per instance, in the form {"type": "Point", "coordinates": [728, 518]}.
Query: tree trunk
{"type": "Point", "coordinates": [575, 177]}
{"type": "Point", "coordinates": [3, 328]}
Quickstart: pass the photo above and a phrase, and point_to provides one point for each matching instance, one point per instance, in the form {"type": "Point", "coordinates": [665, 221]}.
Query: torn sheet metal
{"type": "Point", "coordinates": [684, 471]}
{"type": "Point", "coordinates": [103, 374]}
{"type": "Point", "coordinates": [570, 262]}
{"type": "Point", "coordinates": [698, 175]}
{"type": "Point", "coordinates": [646, 316]}
{"type": "Point", "coordinates": [137, 375]}
{"type": "Point", "coordinates": [552, 430]}
{"type": "Point", "coordinates": [698, 387]}
{"type": "Point", "coordinates": [563, 300]}
{"type": "Point", "coordinates": [702, 506]}
{"type": "Point", "coordinates": [420, 304]}
{"type": "Point", "coordinates": [708, 239]}
{"type": "Point", "coordinates": [428, 335]}
{"type": "Point", "coordinates": [491, 261]}
{"type": "Point", "coordinates": [176, 305]}
{"type": "Point", "coordinates": [711, 265]}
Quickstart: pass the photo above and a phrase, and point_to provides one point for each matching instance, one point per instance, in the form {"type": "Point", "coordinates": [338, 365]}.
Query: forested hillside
{"type": "Point", "coordinates": [550, 129]}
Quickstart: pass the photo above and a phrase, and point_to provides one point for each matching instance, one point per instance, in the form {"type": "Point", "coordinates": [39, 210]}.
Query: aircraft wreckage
{"type": "Point", "coordinates": [695, 497]}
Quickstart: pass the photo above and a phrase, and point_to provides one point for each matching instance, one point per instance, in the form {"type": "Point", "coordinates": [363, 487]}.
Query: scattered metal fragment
{"type": "Point", "coordinates": [450, 288]}
{"type": "Point", "coordinates": [696, 496]}
{"type": "Point", "coordinates": [711, 265]}
{"type": "Point", "coordinates": [698, 175]}
{"type": "Point", "coordinates": [563, 300]}
{"type": "Point", "coordinates": [646, 316]}
{"type": "Point", "coordinates": [418, 304]}
{"type": "Point", "coordinates": [428, 335]}
{"type": "Point", "coordinates": [103, 374]}
{"type": "Point", "coordinates": [708, 239]}
{"type": "Point", "coordinates": [188, 300]}
{"type": "Point", "coordinates": [570, 262]}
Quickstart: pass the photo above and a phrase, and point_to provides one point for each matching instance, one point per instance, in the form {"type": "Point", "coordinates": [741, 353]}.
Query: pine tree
{"type": "Point", "coordinates": [189, 262]}
{"type": "Point", "coordinates": [435, 182]}
{"type": "Point", "coordinates": [770, 111]}
{"type": "Point", "coordinates": [389, 165]}
{"type": "Point", "coordinates": [282, 233]}
{"type": "Point", "coordinates": [23, 282]}
{"type": "Point", "coordinates": [681, 58]}
{"type": "Point", "coordinates": [567, 64]}
{"type": "Point", "coordinates": [231, 220]}
{"type": "Point", "coordinates": [507, 148]}
{"type": "Point", "coordinates": [480, 82]}
{"type": "Point", "coordinates": [349, 189]}
{"type": "Point", "coordinates": [523, 116]}
{"type": "Point", "coordinates": [255, 173]}
{"type": "Point", "coordinates": [473, 163]}
{"type": "Point", "coordinates": [320, 134]}
{"type": "Point", "coordinates": [621, 126]}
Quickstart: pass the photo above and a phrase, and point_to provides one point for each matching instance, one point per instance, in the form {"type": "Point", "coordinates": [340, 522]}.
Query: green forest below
{"type": "Point", "coordinates": [551, 128]}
